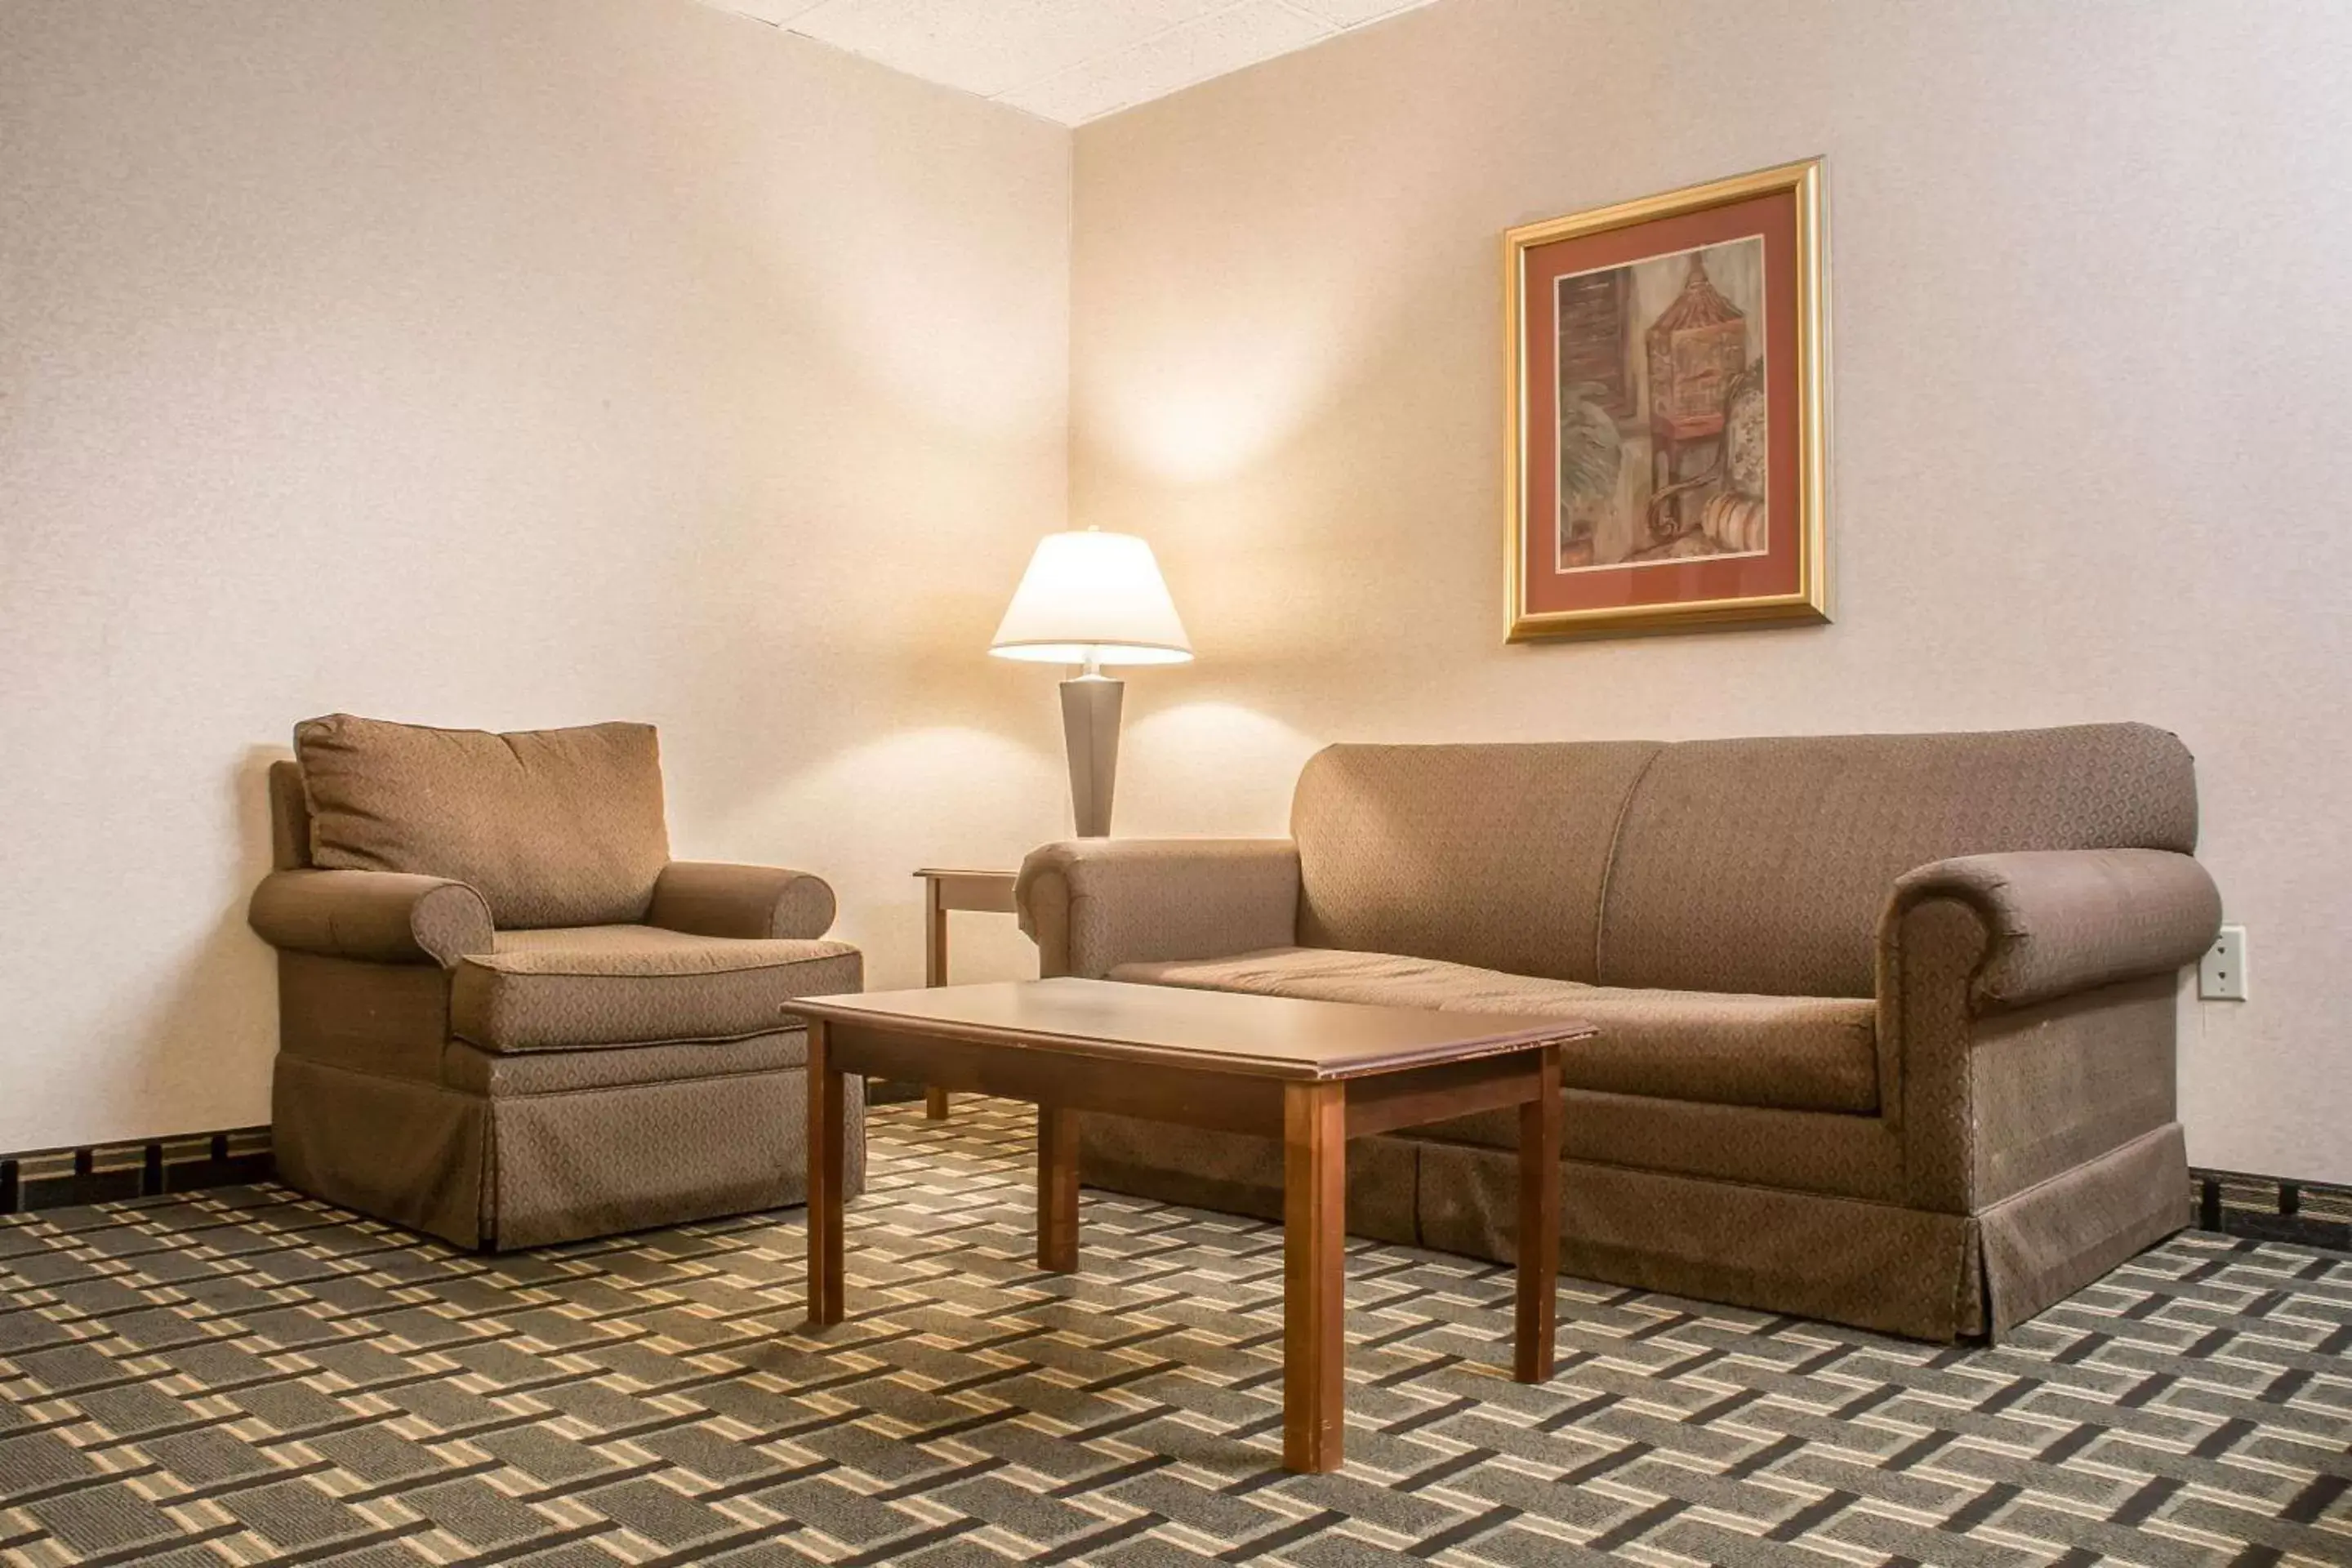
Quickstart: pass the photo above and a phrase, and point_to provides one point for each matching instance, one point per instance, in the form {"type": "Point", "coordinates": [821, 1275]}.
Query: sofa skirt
{"type": "Point", "coordinates": [504, 1172]}
{"type": "Point", "coordinates": [1909, 1272]}
{"type": "Point", "coordinates": [1846, 1260]}
{"type": "Point", "coordinates": [1236, 1174]}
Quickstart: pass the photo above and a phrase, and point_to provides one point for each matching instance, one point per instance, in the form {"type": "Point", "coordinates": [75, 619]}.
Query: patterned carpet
{"type": "Point", "coordinates": [242, 1376]}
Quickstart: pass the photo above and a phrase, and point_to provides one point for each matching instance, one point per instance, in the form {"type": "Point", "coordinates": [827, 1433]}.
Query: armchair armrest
{"type": "Point", "coordinates": [1092, 904]}
{"type": "Point", "coordinates": [712, 898]}
{"type": "Point", "coordinates": [2055, 922]}
{"type": "Point", "coordinates": [376, 917]}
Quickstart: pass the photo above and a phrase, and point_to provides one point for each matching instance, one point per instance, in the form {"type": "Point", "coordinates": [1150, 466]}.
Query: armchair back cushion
{"type": "Point", "coordinates": [1753, 865]}
{"type": "Point", "coordinates": [553, 828]}
{"type": "Point", "coordinates": [289, 819]}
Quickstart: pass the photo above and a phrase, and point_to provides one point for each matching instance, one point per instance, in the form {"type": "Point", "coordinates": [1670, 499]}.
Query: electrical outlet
{"type": "Point", "coordinates": [2221, 972]}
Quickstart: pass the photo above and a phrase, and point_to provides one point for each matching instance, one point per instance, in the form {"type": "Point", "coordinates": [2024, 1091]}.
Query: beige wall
{"type": "Point", "coordinates": [508, 364]}
{"type": "Point", "coordinates": [539, 360]}
{"type": "Point", "coordinates": [2092, 326]}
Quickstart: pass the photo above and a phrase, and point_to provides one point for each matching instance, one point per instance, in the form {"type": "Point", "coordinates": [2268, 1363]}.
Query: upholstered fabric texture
{"type": "Point", "coordinates": [2069, 920]}
{"type": "Point", "coordinates": [381, 917]}
{"type": "Point", "coordinates": [290, 818]}
{"type": "Point", "coordinates": [1764, 864]}
{"type": "Point", "coordinates": [1243, 1174]}
{"type": "Point", "coordinates": [1753, 865]}
{"type": "Point", "coordinates": [455, 1055]}
{"type": "Point", "coordinates": [1886, 1022]}
{"type": "Point", "coordinates": [2065, 1080]}
{"type": "Point", "coordinates": [1797, 1151]}
{"type": "Point", "coordinates": [709, 898]}
{"type": "Point", "coordinates": [389, 1019]}
{"type": "Point", "coordinates": [555, 827]}
{"type": "Point", "coordinates": [1874, 1264]}
{"type": "Point", "coordinates": [1792, 1052]}
{"type": "Point", "coordinates": [414, 1153]}
{"type": "Point", "coordinates": [2042, 1243]}
{"type": "Point", "coordinates": [598, 1162]}
{"type": "Point", "coordinates": [505, 1171]}
{"type": "Point", "coordinates": [1093, 903]}
{"type": "Point", "coordinates": [1493, 856]}
{"type": "Point", "coordinates": [477, 1071]}
{"type": "Point", "coordinates": [625, 986]}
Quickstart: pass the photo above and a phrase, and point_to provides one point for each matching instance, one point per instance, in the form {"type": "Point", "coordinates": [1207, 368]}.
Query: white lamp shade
{"type": "Point", "coordinates": [1090, 596]}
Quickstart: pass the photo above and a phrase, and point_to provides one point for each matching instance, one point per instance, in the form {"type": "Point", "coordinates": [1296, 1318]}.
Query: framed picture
{"type": "Point", "coordinates": [1667, 408]}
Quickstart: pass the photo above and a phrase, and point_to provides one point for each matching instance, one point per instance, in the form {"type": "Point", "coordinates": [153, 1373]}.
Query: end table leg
{"type": "Point", "coordinates": [1057, 1189]}
{"type": "Point", "coordinates": [825, 1177]}
{"type": "Point", "coordinates": [1314, 1276]}
{"type": "Point", "coordinates": [1538, 1294]}
{"type": "Point", "coordinates": [935, 973]}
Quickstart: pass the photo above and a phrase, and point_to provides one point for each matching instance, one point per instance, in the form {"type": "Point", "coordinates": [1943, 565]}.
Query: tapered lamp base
{"type": "Point", "coordinates": [1090, 706]}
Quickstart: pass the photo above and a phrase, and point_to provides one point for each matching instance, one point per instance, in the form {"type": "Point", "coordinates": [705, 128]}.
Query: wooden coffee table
{"type": "Point", "coordinates": [1313, 1074]}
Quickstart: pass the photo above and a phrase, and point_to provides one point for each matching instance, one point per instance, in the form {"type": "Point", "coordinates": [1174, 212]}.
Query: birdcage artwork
{"type": "Point", "coordinates": [1696, 347]}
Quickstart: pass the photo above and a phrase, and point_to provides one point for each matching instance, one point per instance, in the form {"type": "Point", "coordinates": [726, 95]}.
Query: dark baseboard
{"type": "Point", "coordinates": [109, 1173]}
{"type": "Point", "coordinates": [2233, 1202]}
{"type": "Point", "coordinates": [2272, 1208]}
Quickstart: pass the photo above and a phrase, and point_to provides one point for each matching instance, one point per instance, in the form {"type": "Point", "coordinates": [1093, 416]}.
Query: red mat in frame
{"type": "Point", "coordinates": [1666, 406]}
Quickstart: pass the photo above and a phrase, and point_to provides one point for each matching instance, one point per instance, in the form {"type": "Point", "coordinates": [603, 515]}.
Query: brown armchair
{"type": "Point", "coordinates": [507, 1018]}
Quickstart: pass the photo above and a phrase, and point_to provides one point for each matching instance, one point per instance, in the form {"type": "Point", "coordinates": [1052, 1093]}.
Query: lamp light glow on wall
{"type": "Point", "coordinates": [1089, 599]}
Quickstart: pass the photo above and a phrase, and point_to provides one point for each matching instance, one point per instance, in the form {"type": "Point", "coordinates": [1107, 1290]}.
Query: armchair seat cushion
{"type": "Point", "coordinates": [1779, 1053]}
{"type": "Point", "coordinates": [569, 989]}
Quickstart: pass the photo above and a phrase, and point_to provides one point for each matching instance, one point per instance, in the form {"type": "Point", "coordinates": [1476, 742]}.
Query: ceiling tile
{"type": "Point", "coordinates": [990, 46]}
{"type": "Point", "coordinates": [1213, 45]}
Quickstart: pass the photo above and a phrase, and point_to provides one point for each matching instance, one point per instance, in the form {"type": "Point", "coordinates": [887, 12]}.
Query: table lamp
{"type": "Point", "coordinates": [1091, 598]}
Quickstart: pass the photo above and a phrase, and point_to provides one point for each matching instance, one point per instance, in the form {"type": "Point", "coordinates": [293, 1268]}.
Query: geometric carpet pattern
{"type": "Point", "coordinates": [241, 1375]}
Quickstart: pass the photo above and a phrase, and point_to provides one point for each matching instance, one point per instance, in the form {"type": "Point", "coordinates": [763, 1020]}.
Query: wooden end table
{"type": "Point", "coordinates": [946, 890]}
{"type": "Point", "coordinates": [1313, 1074]}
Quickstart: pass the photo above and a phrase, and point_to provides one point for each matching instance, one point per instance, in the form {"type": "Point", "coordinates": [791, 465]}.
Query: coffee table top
{"type": "Point", "coordinates": [1220, 1031]}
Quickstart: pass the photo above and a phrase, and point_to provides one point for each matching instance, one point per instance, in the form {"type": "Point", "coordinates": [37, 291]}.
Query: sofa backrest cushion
{"type": "Point", "coordinates": [554, 827]}
{"type": "Point", "coordinates": [1764, 864]}
{"type": "Point", "coordinates": [1486, 855]}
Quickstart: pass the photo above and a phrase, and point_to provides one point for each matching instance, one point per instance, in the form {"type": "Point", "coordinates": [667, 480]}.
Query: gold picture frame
{"type": "Point", "coordinates": [1596, 547]}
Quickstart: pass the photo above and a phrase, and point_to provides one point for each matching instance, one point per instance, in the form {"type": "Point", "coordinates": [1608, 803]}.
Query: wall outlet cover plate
{"type": "Point", "coordinates": [2221, 972]}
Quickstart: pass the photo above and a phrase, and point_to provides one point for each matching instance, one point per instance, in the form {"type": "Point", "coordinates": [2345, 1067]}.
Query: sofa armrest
{"type": "Point", "coordinates": [2057, 921]}
{"type": "Point", "coordinates": [1092, 904]}
{"type": "Point", "coordinates": [2026, 1013]}
{"type": "Point", "coordinates": [712, 898]}
{"type": "Point", "coordinates": [376, 917]}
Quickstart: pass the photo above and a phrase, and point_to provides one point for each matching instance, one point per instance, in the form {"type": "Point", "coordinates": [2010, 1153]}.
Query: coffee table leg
{"type": "Point", "coordinates": [825, 1177]}
{"type": "Point", "coordinates": [1538, 1295]}
{"type": "Point", "coordinates": [1057, 1189]}
{"type": "Point", "coordinates": [1314, 1274]}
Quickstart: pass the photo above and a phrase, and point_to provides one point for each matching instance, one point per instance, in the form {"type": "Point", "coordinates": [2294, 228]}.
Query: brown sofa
{"type": "Point", "coordinates": [1887, 1021]}
{"type": "Point", "coordinates": [507, 1016]}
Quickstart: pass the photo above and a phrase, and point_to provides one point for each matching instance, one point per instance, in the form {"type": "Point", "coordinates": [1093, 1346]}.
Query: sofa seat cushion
{"type": "Point", "coordinates": [1785, 1053]}
{"type": "Point", "coordinates": [624, 986]}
